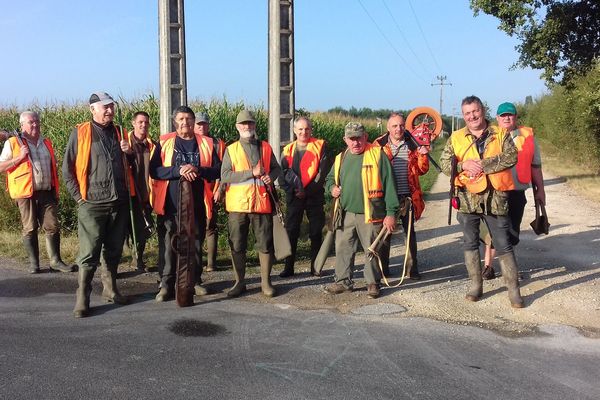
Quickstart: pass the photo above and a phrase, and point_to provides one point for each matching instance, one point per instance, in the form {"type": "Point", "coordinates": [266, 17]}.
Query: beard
{"type": "Point", "coordinates": [248, 134]}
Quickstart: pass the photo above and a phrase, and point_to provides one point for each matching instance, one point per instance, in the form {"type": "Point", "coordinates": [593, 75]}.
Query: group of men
{"type": "Point", "coordinates": [110, 173]}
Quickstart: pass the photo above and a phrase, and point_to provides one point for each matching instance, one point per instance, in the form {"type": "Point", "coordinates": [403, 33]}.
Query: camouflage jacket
{"type": "Point", "coordinates": [490, 201]}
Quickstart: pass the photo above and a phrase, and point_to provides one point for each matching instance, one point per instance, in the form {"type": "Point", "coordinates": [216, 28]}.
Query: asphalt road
{"type": "Point", "coordinates": [238, 349]}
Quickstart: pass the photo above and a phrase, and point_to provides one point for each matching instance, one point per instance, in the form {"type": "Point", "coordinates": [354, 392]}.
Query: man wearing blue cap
{"type": "Point", "coordinates": [528, 170]}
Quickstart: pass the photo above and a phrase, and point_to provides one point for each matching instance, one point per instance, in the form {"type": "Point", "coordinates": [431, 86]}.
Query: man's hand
{"type": "Point", "coordinates": [22, 154]}
{"type": "Point", "coordinates": [389, 222]}
{"type": "Point", "coordinates": [189, 172]}
{"type": "Point", "coordinates": [336, 191]}
{"type": "Point", "coordinates": [125, 147]}
{"type": "Point", "coordinates": [472, 167]}
{"type": "Point", "coordinates": [539, 196]}
{"type": "Point", "coordinates": [217, 196]}
{"type": "Point", "coordinates": [257, 170]}
{"type": "Point", "coordinates": [266, 179]}
{"type": "Point", "coordinates": [299, 193]}
{"type": "Point", "coordinates": [423, 149]}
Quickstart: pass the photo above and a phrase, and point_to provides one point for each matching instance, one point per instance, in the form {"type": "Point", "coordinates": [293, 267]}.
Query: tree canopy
{"type": "Point", "coordinates": [559, 37]}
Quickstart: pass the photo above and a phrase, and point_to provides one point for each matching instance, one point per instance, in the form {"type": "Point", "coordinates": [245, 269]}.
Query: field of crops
{"type": "Point", "coordinates": [57, 122]}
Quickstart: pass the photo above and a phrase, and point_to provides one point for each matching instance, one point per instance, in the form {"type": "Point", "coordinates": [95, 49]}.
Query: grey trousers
{"type": "Point", "coordinates": [354, 229]}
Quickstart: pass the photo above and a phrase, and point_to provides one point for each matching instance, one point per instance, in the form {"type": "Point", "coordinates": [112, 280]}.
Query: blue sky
{"type": "Point", "coordinates": [60, 51]}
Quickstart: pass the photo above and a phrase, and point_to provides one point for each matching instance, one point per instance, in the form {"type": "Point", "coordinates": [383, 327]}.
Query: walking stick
{"type": "Point", "coordinates": [134, 252]}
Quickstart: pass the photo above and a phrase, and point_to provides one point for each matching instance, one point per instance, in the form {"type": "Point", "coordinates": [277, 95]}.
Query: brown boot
{"type": "Point", "coordinates": [238, 259]}
{"type": "Point", "coordinates": [508, 265]}
{"type": "Point", "coordinates": [266, 264]}
{"type": "Point", "coordinates": [472, 262]}
{"type": "Point", "coordinates": [110, 292]}
{"type": "Point", "coordinates": [82, 303]}
{"type": "Point", "coordinates": [211, 252]}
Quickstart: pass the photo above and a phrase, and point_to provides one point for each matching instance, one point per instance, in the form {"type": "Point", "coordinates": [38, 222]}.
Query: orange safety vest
{"type": "Point", "coordinates": [249, 196]}
{"type": "Point", "coordinates": [214, 186]}
{"type": "Point", "coordinates": [418, 164]}
{"type": "Point", "coordinates": [526, 147]}
{"type": "Point", "coordinates": [82, 160]}
{"type": "Point", "coordinates": [465, 149]}
{"type": "Point", "coordinates": [309, 165]}
{"type": "Point", "coordinates": [19, 181]}
{"type": "Point", "coordinates": [159, 187]}
{"type": "Point", "coordinates": [371, 179]}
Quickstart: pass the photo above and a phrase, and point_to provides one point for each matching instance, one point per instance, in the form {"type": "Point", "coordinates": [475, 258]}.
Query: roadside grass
{"type": "Point", "coordinates": [584, 179]}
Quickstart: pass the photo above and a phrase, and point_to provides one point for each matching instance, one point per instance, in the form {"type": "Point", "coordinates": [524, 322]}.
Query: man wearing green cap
{"type": "Point", "coordinates": [528, 170]}
{"type": "Point", "coordinates": [367, 205]}
{"type": "Point", "coordinates": [249, 169]}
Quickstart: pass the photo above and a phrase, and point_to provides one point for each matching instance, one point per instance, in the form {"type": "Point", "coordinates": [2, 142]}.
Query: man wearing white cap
{"type": "Point", "coordinates": [95, 176]}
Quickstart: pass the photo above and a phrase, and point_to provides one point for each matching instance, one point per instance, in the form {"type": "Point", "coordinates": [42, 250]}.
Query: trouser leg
{"type": "Point", "coordinates": [238, 224]}
{"type": "Point", "coordinates": [346, 242]}
{"type": "Point", "coordinates": [293, 222]}
{"type": "Point", "coordinates": [367, 233]}
{"type": "Point", "coordinates": [316, 222]}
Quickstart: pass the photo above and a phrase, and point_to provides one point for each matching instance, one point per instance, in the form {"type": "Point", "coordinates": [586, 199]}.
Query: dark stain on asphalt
{"type": "Point", "coordinates": [196, 328]}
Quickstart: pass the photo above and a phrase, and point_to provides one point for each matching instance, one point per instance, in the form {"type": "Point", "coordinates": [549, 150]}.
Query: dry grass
{"type": "Point", "coordinates": [584, 179]}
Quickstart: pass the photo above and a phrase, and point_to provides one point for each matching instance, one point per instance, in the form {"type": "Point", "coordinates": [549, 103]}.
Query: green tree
{"type": "Point", "coordinates": [560, 37]}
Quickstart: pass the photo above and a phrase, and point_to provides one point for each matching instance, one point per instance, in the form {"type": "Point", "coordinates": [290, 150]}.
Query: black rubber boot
{"type": "Point", "coordinates": [33, 251]}
{"type": "Point", "coordinates": [53, 248]}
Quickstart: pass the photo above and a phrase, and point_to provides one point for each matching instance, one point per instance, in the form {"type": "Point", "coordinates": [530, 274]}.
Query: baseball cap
{"type": "Point", "coordinates": [506, 108]}
{"type": "Point", "coordinates": [202, 117]}
{"type": "Point", "coordinates": [244, 116]}
{"type": "Point", "coordinates": [354, 129]}
{"type": "Point", "coordinates": [102, 98]}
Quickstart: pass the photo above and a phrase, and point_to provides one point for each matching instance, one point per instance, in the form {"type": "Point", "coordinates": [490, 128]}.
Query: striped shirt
{"type": "Point", "coordinates": [400, 167]}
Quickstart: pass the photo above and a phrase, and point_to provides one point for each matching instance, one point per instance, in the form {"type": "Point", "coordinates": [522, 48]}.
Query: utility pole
{"type": "Point", "coordinates": [453, 112]}
{"type": "Point", "coordinates": [171, 53]}
{"type": "Point", "coordinates": [281, 73]}
{"type": "Point", "coordinates": [441, 85]}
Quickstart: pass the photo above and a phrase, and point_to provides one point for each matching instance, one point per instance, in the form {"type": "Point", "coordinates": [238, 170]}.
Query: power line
{"type": "Point", "coordinates": [423, 34]}
{"type": "Point", "coordinates": [404, 38]}
{"type": "Point", "coordinates": [441, 85]}
{"type": "Point", "coordinates": [390, 43]}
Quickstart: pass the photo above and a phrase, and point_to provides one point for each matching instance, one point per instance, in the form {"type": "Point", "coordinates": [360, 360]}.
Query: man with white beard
{"type": "Point", "coordinates": [248, 171]}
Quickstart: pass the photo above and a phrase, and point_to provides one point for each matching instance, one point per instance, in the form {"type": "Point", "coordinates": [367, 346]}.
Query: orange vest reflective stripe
{"type": "Point", "coordinates": [82, 160]}
{"type": "Point", "coordinates": [309, 165]}
{"type": "Point", "coordinates": [465, 149]}
{"type": "Point", "coordinates": [159, 187]}
{"type": "Point", "coordinates": [19, 181]}
{"type": "Point", "coordinates": [371, 178]}
{"type": "Point", "coordinates": [526, 149]}
{"type": "Point", "coordinates": [249, 196]}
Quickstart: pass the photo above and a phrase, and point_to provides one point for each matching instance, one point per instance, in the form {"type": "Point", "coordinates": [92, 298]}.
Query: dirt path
{"type": "Point", "coordinates": [560, 272]}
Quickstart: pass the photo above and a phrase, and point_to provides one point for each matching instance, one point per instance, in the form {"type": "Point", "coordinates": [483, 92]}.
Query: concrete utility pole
{"type": "Point", "coordinates": [441, 85]}
{"type": "Point", "coordinates": [171, 50]}
{"type": "Point", "coordinates": [281, 73]}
